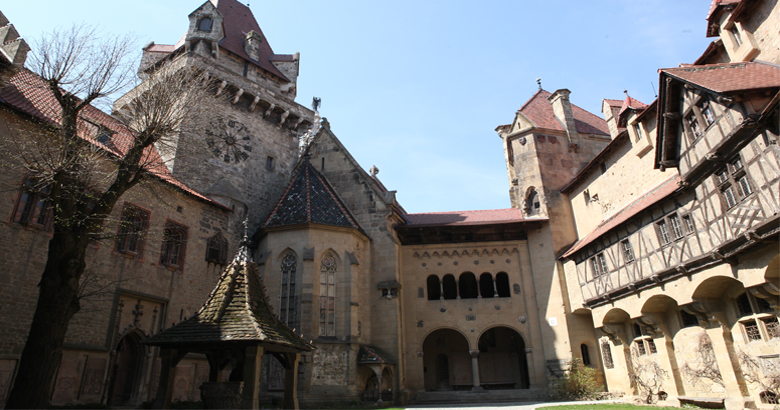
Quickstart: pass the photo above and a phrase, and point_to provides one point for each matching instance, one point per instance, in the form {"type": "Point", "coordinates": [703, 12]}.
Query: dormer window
{"type": "Point", "coordinates": [205, 24]}
{"type": "Point", "coordinates": [736, 35]}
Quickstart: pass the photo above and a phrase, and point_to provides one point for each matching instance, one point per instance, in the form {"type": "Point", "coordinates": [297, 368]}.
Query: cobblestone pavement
{"type": "Point", "coordinates": [530, 405]}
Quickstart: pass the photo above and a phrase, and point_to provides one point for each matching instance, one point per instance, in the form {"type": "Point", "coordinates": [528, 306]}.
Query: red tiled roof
{"type": "Point", "coordinates": [237, 21]}
{"type": "Point", "coordinates": [539, 110]}
{"type": "Point", "coordinates": [28, 93]}
{"type": "Point", "coordinates": [614, 103]}
{"type": "Point", "coordinates": [729, 77]}
{"type": "Point", "coordinates": [646, 200]}
{"type": "Point", "coordinates": [482, 217]}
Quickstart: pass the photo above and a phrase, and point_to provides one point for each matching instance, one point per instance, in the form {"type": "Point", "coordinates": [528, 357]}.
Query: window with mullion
{"type": "Point", "coordinates": [628, 252]}
{"type": "Point", "coordinates": [328, 270]}
{"type": "Point", "coordinates": [663, 232]}
{"type": "Point", "coordinates": [132, 226]}
{"type": "Point", "coordinates": [288, 311]}
{"type": "Point", "coordinates": [733, 182]}
{"type": "Point", "coordinates": [174, 245]}
{"type": "Point", "coordinates": [677, 230]}
{"type": "Point", "coordinates": [32, 207]}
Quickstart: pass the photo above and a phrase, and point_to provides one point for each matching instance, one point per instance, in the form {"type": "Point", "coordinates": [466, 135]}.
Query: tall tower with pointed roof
{"type": "Point", "coordinates": [243, 153]}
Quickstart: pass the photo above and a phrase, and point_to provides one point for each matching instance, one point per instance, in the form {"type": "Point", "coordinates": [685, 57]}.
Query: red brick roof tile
{"type": "Point", "coordinates": [646, 200]}
{"type": "Point", "coordinates": [712, 13]}
{"type": "Point", "coordinates": [631, 104]}
{"type": "Point", "coordinates": [28, 93]}
{"type": "Point", "coordinates": [539, 110]}
{"type": "Point", "coordinates": [730, 77]}
{"type": "Point", "coordinates": [481, 217]}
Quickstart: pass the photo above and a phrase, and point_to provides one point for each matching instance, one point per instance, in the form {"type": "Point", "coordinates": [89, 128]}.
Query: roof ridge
{"type": "Point", "coordinates": [539, 91]}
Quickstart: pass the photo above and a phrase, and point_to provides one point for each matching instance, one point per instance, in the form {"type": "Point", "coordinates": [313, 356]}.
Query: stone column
{"type": "Point", "coordinates": [475, 370]}
{"type": "Point", "coordinates": [441, 289]}
{"type": "Point", "coordinates": [722, 346]}
{"type": "Point", "coordinates": [495, 288]}
{"type": "Point", "coordinates": [250, 395]}
{"type": "Point", "coordinates": [291, 381]}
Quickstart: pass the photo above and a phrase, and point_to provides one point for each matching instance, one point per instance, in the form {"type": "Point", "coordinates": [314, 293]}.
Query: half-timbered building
{"type": "Point", "coordinates": [679, 271]}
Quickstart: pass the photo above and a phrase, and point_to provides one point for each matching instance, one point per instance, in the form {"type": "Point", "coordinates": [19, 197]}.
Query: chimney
{"type": "Point", "coordinates": [562, 110]}
{"type": "Point", "coordinates": [252, 43]}
{"type": "Point", "coordinates": [611, 118]}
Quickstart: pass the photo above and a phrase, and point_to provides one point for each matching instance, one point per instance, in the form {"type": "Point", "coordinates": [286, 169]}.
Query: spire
{"type": "Point", "coordinates": [244, 255]}
{"type": "Point", "coordinates": [308, 137]}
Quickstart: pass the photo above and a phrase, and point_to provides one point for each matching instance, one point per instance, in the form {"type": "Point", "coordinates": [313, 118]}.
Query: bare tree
{"type": "Point", "coordinates": [767, 377]}
{"type": "Point", "coordinates": [85, 160]}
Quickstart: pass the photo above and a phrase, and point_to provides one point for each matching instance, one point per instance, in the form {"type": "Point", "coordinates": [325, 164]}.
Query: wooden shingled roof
{"type": "Point", "coordinates": [237, 312]}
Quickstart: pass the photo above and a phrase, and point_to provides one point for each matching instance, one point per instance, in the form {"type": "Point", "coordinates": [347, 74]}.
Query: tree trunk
{"type": "Point", "coordinates": [57, 303]}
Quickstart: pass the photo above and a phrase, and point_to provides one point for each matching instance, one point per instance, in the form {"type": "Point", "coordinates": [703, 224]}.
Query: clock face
{"type": "Point", "coordinates": [228, 140]}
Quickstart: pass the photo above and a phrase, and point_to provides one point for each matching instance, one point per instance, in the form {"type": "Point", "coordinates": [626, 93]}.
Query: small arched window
{"type": "Point", "coordinates": [434, 288]}
{"type": "Point", "coordinates": [450, 287]}
{"type": "Point", "coordinates": [486, 289]}
{"type": "Point", "coordinates": [205, 24]}
{"type": "Point", "coordinates": [743, 305]}
{"type": "Point", "coordinates": [467, 285]}
{"type": "Point", "coordinates": [502, 285]}
{"type": "Point", "coordinates": [585, 354]}
{"type": "Point", "coordinates": [533, 203]}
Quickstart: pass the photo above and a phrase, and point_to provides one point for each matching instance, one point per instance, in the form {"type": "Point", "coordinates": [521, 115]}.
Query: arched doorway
{"type": "Point", "coordinates": [447, 363]}
{"type": "Point", "coordinates": [127, 371]}
{"type": "Point", "coordinates": [502, 360]}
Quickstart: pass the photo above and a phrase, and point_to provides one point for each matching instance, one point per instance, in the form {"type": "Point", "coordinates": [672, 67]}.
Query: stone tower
{"type": "Point", "coordinates": [243, 152]}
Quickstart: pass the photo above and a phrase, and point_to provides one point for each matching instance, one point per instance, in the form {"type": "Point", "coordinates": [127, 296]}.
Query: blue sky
{"type": "Point", "coordinates": [418, 87]}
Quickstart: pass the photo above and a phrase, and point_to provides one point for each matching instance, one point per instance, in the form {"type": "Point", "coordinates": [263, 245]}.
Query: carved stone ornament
{"type": "Point", "coordinates": [522, 140]}
{"type": "Point", "coordinates": [522, 319]}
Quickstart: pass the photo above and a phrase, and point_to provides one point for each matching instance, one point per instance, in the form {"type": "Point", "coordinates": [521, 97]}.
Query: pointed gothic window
{"type": "Point", "coordinates": [328, 270]}
{"type": "Point", "coordinates": [288, 311]}
{"type": "Point", "coordinates": [216, 249]}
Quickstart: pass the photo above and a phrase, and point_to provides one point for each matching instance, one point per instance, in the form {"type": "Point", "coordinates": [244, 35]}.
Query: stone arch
{"type": "Point", "coordinates": [449, 286]}
{"type": "Point", "coordinates": [532, 201]}
{"type": "Point", "coordinates": [718, 287]}
{"type": "Point", "coordinates": [467, 286]}
{"type": "Point", "coordinates": [772, 273]}
{"type": "Point", "coordinates": [446, 360]}
{"type": "Point", "coordinates": [127, 369]}
{"type": "Point", "coordinates": [487, 288]}
{"type": "Point", "coordinates": [661, 310]}
{"type": "Point", "coordinates": [503, 363]}
{"type": "Point", "coordinates": [433, 287]}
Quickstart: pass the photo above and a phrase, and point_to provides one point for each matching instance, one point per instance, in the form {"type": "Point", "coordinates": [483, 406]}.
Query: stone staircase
{"type": "Point", "coordinates": [432, 398]}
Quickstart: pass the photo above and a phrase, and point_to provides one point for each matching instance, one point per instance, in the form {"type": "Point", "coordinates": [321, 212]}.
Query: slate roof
{"type": "Point", "coordinates": [27, 92]}
{"type": "Point", "coordinates": [653, 195]}
{"type": "Point", "coordinates": [237, 311]}
{"type": "Point", "coordinates": [729, 77]}
{"type": "Point", "coordinates": [369, 355]}
{"type": "Point", "coordinates": [238, 20]}
{"type": "Point", "coordinates": [539, 110]}
{"type": "Point", "coordinates": [309, 198]}
{"type": "Point", "coordinates": [481, 217]}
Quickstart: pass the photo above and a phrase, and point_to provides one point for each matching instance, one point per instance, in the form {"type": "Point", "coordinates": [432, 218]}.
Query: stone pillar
{"type": "Point", "coordinates": [722, 346]}
{"type": "Point", "coordinates": [170, 358]}
{"type": "Point", "coordinates": [379, 384]}
{"type": "Point", "coordinates": [291, 381]}
{"type": "Point", "coordinates": [441, 289]}
{"type": "Point", "coordinates": [250, 395]}
{"type": "Point", "coordinates": [495, 288]}
{"type": "Point", "coordinates": [475, 369]}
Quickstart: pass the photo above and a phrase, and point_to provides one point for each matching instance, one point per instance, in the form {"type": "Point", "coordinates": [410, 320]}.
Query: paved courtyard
{"type": "Point", "coordinates": [515, 406]}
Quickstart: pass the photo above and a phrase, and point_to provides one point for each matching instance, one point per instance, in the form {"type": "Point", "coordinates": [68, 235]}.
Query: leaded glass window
{"type": "Point", "coordinates": [328, 271]}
